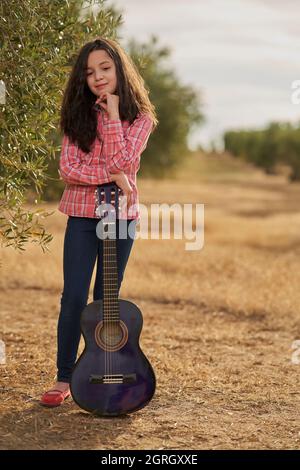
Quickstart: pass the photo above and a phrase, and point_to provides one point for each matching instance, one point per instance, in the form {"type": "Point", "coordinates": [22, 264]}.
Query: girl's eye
{"type": "Point", "coordinates": [88, 74]}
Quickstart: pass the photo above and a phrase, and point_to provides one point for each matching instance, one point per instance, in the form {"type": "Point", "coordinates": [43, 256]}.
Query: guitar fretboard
{"type": "Point", "coordinates": [108, 194]}
{"type": "Point", "coordinates": [110, 280]}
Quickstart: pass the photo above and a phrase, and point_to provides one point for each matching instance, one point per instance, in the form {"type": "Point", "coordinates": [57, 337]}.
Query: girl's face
{"type": "Point", "coordinates": [101, 73]}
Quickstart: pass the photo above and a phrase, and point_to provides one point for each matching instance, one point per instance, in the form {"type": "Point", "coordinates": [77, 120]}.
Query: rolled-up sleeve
{"type": "Point", "coordinates": [123, 149]}
{"type": "Point", "coordinates": [73, 171]}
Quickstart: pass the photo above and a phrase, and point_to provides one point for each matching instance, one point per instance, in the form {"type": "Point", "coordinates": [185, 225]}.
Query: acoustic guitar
{"type": "Point", "coordinates": [112, 376]}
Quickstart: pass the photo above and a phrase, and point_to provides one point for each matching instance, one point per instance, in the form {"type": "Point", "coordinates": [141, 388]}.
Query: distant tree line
{"type": "Point", "coordinates": [279, 143]}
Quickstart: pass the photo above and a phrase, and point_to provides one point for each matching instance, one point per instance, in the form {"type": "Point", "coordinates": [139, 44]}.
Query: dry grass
{"type": "Point", "coordinates": [218, 325]}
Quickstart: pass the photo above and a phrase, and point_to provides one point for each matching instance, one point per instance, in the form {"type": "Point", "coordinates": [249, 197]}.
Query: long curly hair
{"type": "Point", "coordinates": [78, 118]}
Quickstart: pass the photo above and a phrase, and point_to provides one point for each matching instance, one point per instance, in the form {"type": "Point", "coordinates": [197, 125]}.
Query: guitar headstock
{"type": "Point", "coordinates": [107, 196]}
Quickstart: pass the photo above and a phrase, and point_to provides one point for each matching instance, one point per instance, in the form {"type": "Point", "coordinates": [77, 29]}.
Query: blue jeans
{"type": "Point", "coordinates": [81, 249]}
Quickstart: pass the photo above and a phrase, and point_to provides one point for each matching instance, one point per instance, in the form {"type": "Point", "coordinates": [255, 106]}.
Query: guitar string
{"type": "Point", "coordinates": [105, 325]}
{"type": "Point", "coordinates": [113, 286]}
{"type": "Point", "coordinates": [104, 307]}
{"type": "Point", "coordinates": [110, 287]}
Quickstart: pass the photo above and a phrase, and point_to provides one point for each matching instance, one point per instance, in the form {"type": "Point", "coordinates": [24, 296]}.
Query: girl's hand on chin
{"type": "Point", "coordinates": [110, 103]}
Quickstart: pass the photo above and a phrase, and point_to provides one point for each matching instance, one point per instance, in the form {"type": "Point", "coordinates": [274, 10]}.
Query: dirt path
{"type": "Point", "coordinates": [218, 330]}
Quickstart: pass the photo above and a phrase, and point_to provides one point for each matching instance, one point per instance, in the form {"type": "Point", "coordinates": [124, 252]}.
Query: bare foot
{"type": "Point", "coordinates": [61, 386]}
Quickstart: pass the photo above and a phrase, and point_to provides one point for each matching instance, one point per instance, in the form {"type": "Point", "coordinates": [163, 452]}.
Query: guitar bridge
{"type": "Point", "coordinates": [112, 379]}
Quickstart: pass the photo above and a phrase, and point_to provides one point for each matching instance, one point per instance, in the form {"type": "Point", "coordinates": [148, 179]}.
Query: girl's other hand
{"type": "Point", "coordinates": [121, 180]}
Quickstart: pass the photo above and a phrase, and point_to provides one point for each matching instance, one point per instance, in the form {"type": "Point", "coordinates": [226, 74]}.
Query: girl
{"type": "Point", "coordinates": [106, 119]}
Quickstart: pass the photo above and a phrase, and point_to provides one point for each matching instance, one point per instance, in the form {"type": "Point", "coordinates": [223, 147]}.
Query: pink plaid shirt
{"type": "Point", "coordinates": [120, 150]}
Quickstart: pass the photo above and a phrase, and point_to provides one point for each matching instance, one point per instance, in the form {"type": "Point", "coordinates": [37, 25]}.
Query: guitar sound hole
{"type": "Point", "coordinates": [111, 336]}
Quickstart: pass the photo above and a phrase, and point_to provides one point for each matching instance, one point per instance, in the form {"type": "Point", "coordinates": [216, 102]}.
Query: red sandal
{"type": "Point", "coordinates": [54, 397]}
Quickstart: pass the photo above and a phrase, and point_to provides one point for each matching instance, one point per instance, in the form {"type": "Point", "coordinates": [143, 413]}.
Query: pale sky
{"type": "Point", "coordinates": [243, 55]}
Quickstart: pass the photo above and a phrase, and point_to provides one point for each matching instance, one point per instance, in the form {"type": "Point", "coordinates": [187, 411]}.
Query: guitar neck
{"type": "Point", "coordinates": [108, 204]}
{"type": "Point", "coordinates": [110, 280]}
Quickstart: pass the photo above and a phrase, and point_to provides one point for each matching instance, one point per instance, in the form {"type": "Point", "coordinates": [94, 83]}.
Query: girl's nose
{"type": "Point", "coordinates": [98, 76]}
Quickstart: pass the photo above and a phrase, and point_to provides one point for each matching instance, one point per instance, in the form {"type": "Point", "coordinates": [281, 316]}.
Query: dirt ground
{"type": "Point", "coordinates": [219, 324]}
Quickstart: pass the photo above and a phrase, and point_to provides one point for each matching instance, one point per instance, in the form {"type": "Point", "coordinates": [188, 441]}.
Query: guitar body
{"type": "Point", "coordinates": [112, 376]}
